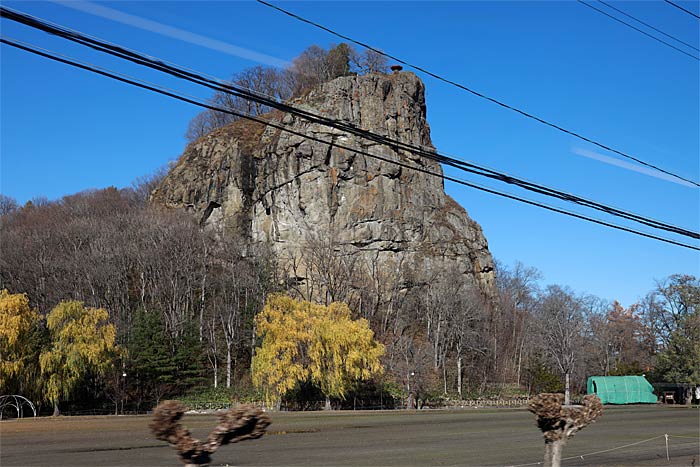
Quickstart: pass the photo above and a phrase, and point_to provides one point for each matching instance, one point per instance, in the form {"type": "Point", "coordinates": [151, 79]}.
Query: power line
{"type": "Point", "coordinates": [681, 8]}
{"type": "Point", "coordinates": [476, 93]}
{"type": "Point", "coordinates": [150, 87]}
{"type": "Point", "coordinates": [433, 155]}
{"type": "Point", "coordinates": [648, 25]}
{"type": "Point", "coordinates": [472, 168]}
{"type": "Point", "coordinates": [638, 30]}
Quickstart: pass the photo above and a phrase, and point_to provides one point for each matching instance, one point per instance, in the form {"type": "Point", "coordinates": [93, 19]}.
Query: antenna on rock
{"type": "Point", "coordinates": [396, 68]}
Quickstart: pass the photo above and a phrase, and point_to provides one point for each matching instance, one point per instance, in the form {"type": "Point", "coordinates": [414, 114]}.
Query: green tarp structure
{"type": "Point", "coordinates": [621, 389]}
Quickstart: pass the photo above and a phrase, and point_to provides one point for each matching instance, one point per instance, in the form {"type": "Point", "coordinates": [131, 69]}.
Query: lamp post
{"type": "Point", "coordinates": [123, 389]}
{"type": "Point", "coordinates": [411, 398]}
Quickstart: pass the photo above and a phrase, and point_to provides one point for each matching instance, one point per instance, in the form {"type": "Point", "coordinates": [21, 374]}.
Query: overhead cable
{"type": "Point", "coordinates": [637, 29]}
{"type": "Point", "coordinates": [154, 88]}
{"type": "Point", "coordinates": [648, 25]}
{"type": "Point", "coordinates": [430, 154]}
{"type": "Point", "coordinates": [477, 93]}
{"type": "Point", "coordinates": [681, 8]}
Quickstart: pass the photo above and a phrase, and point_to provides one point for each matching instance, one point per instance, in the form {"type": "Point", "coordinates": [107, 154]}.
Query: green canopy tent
{"type": "Point", "coordinates": [621, 389]}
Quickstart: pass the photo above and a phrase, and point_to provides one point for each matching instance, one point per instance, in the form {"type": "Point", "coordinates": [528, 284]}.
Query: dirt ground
{"type": "Point", "coordinates": [467, 437]}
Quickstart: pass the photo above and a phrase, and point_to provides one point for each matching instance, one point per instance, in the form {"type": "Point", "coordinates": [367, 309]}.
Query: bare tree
{"type": "Point", "coordinates": [228, 310]}
{"type": "Point", "coordinates": [601, 344]}
{"type": "Point", "coordinates": [411, 361]}
{"type": "Point", "coordinates": [143, 186]}
{"type": "Point", "coordinates": [465, 321]}
{"type": "Point", "coordinates": [619, 340]}
{"type": "Point", "coordinates": [8, 205]}
{"type": "Point", "coordinates": [212, 340]}
{"type": "Point", "coordinates": [561, 319]}
{"type": "Point", "coordinates": [204, 123]}
{"type": "Point", "coordinates": [265, 81]}
{"type": "Point", "coordinates": [312, 67]}
{"type": "Point", "coordinates": [517, 290]}
{"type": "Point", "coordinates": [332, 271]}
{"type": "Point", "coordinates": [673, 300]}
{"type": "Point", "coordinates": [368, 61]}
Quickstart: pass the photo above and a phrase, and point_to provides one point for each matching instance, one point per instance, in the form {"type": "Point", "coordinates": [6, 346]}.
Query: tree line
{"type": "Point", "coordinates": [185, 307]}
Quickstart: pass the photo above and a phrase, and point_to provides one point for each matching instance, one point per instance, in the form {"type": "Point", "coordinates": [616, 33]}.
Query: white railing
{"type": "Point", "coordinates": [16, 402]}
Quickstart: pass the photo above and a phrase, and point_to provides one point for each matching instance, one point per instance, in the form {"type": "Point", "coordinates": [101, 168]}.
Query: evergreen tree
{"type": "Point", "coordinates": [162, 364]}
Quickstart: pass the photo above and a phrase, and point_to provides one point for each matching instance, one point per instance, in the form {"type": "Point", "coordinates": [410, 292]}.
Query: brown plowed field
{"type": "Point", "coordinates": [467, 437]}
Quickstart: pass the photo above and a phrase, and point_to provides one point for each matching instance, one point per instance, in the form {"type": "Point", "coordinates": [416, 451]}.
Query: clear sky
{"type": "Point", "coordinates": [63, 130]}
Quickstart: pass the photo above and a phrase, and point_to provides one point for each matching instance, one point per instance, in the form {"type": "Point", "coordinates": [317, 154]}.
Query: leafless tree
{"type": "Point", "coordinates": [143, 186]}
{"type": "Point", "coordinates": [312, 67]}
{"type": "Point", "coordinates": [204, 123]}
{"type": "Point", "coordinates": [465, 324]}
{"type": "Point", "coordinates": [212, 345]}
{"type": "Point", "coordinates": [368, 61]}
{"type": "Point", "coordinates": [512, 325]}
{"type": "Point", "coordinates": [560, 321]}
{"type": "Point", "coordinates": [410, 359]}
{"type": "Point", "coordinates": [673, 299]}
{"type": "Point", "coordinates": [331, 270]}
{"type": "Point", "coordinates": [8, 205]}
{"type": "Point", "coordinates": [601, 341]}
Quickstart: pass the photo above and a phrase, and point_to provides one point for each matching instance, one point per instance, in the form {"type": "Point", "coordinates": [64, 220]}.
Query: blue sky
{"type": "Point", "coordinates": [63, 130]}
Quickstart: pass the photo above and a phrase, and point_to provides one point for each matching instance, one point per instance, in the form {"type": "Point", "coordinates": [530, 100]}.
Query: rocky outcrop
{"type": "Point", "coordinates": [268, 185]}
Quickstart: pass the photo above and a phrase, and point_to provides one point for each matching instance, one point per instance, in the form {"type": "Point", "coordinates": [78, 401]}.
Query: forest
{"type": "Point", "coordinates": [175, 316]}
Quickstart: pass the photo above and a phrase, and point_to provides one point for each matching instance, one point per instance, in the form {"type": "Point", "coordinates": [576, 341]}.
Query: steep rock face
{"type": "Point", "coordinates": [272, 186]}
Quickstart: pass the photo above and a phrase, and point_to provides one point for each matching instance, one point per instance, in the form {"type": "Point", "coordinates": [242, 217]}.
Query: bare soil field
{"type": "Point", "coordinates": [466, 437]}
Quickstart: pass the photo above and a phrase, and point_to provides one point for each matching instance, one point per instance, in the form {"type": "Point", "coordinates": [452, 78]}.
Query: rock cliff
{"type": "Point", "coordinates": [268, 185]}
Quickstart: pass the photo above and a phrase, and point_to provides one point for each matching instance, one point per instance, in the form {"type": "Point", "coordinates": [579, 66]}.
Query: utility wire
{"type": "Point", "coordinates": [648, 25]}
{"type": "Point", "coordinates": [581, 456]}
{"type": "Point", "coordinates": [681, 8]}
{"type": "Point", "coordinates": [476, 93]}
{"type": "Point", "coordinates": [174, 71]}
{"type": "Point", "coordinates": [154, 88]}
{"type": "Point", "coordinates": [228, 88]}
{"type": "Point", "coordinates": [637, 29]}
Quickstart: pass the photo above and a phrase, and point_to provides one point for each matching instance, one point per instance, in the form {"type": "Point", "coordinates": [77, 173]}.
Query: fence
{"type": "Point", "coordinates": [489, 402]}
{"type": "Point", "coordinates": [664, 448]}
{"type": "Point", "coordinates": [392, 404]}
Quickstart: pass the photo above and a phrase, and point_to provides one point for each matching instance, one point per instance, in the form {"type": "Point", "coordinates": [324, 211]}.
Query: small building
{"type": "Point", "coordinates": [621, 389]}
{"type": "Point", "coordinates": [675, 393]}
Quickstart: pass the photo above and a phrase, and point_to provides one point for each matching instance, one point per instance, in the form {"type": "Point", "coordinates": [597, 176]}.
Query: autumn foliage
{"type": "Point", "coordinates": [81, 341]}
{"type": "Point", "coordinates": [305, 342]}
{"type": "Point", "coordinates": [17, 323]}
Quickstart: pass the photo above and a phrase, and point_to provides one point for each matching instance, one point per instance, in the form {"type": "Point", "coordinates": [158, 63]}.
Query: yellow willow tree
{"type": "Point", "coordinates": [81, 342]}
{"type": "Point", "coordinates": [305, 342]}
{"type": "Point", "coordinates": [19, 343]}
